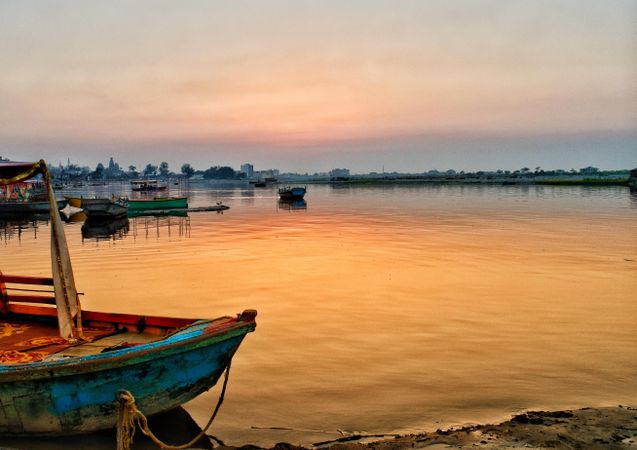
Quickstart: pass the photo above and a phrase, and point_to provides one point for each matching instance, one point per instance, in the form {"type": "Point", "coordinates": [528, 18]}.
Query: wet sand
{"type": "Point", "coordinates": [587, 428]}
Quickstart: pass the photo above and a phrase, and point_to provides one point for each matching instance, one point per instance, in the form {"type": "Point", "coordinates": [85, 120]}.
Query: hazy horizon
{"type": "Point", "coordinates": [310, 86]}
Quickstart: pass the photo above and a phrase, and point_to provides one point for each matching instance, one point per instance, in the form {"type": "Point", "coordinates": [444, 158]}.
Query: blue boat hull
{"type": "Point", "coordinates": [295, 193]}
{"type": "Point", "coordinates": [61, 397]}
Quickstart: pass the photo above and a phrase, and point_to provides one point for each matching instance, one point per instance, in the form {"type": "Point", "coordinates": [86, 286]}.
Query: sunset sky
{"type": "Point", "coordinates": [313, 85]}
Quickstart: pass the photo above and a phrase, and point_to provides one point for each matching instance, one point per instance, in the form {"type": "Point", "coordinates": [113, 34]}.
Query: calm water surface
{"type": "Point", "coordinates": [382, 309]}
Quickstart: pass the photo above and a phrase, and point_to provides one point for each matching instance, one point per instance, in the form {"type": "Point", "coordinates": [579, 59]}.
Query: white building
{"type": "Point", "coordinates": [339, 173]}
{"type": "Point", "coordinates": [248, 169]}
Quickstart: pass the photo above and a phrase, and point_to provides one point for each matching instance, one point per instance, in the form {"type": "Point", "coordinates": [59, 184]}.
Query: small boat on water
{"type": "Point", "coordinates": [75, 202]}
{"type": "Point", "coordinates": [292, 193]}
{"type": "Point", "coordinates": [147, 186]}
{"type": "Point", "coordinates": [25, 198]}
{"type": "Point", "coordinates": [157, 203]}
{"type": "Point", "coordinates": [28, 207]}
{"type": "Point", "coordinates": [62, 368]}
{"type": "Point", "coordinates": [104, 208]}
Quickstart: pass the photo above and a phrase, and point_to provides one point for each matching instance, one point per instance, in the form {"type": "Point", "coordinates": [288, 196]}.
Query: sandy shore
{"type": "Point", "coordinates": [587, 428]}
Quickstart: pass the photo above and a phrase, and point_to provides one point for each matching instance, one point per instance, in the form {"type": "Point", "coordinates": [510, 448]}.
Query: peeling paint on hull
{"type": "Point", "coordinates": [62, 397]}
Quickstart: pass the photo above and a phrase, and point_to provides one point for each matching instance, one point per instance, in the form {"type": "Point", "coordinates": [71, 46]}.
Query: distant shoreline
{"type": "Point", "coordinates": [482, 181]}
{"type": "Point", "coordinates": [616, 178]}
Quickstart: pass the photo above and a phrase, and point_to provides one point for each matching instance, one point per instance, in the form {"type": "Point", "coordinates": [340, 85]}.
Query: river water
{"type": "Point", "coordinates": [386, 309]}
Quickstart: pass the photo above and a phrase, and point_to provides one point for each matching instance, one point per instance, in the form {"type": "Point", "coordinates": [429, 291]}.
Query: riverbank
{"type": "Point", "coordinates": [587, 428]}
{"type": "Point", "coordinates": [451, 177]}
{"type": "Point", "coordinates": [484, 180]}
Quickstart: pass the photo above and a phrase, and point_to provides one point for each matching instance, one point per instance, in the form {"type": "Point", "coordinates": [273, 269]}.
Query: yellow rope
{"type": "Point", "coordinates": [28, 173]}
{"type": "Point", "coordinates": [129, 417]}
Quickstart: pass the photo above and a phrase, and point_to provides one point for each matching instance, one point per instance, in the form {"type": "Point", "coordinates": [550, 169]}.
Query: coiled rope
{"type": "Point", "coordinates": [129, 417]}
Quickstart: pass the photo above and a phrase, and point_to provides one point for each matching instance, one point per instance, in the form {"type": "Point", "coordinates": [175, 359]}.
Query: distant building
{"type": "Point", "coordinates": [339, 173]}
{"type": "Point", "coordinates": [113, 167]}
{"type": "Point", "coordinates": [248, 169]}
{"type": "Point", "coordinates": [589, 171]}
{"type": "Point", "coordinates": [270, 173]}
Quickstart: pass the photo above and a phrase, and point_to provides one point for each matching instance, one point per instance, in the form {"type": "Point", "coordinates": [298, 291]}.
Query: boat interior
{"type": "Point", "coordinates": [29, 328]}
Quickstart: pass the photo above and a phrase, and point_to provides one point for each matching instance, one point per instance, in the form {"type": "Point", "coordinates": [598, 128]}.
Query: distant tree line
{"type": "Point", "coordinates": [72, 172]}
{"type": "Point", "coordinates": [220, 172]}
{"type": "Point", "coordinates": [112, 171]}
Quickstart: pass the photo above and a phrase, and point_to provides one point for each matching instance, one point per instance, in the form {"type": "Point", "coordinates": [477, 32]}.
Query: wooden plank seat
{"type": "Point", "coordinates": [28, 335]}
{"type": "Point", "coordinates": [21, 289]}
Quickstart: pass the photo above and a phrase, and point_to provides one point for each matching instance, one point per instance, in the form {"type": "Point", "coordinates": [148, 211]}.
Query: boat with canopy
{"type": "Point", "coordinates": [62, 368]}
{"type": "Point", "coordinates": [147, 186]}
{"type": "Point", "coordinates": [25, 197]}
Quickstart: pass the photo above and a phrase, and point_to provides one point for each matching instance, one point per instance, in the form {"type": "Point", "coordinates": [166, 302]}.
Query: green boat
{"type": "Point", "coordinates": [157, 203]}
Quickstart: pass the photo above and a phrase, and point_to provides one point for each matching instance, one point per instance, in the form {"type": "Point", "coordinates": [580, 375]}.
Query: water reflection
{"type": "Point", "coordinates": [173, 427]}
{"type": "Point", "coordinates": [160, 225]}
{"type": "Point", "coordinates": [292, 205]}
{"type": "Point", "coordinates": [171, 212]}
{"type": "Point", "coordinates": [105, 230]}
{"type": "Point", "coordinates": [13, 226]}
{"type": "Point", "coordinates": [463, 289]}
{"type": "Point", "coordinates": [174, 224]}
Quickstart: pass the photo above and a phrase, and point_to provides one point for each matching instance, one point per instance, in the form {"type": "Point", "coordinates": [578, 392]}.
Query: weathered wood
{"type": "Point", "coordinates": [13, 294]}
{"type": "Point", "coordinates": [134, 319]}
{"type": "Point", "coordinates": [26, 298]}
{"type": "Point", "coordinates": [78, 394]}
{"type": "Point", "coordinates": [20, 279]}
{"type": "Point", "coordinates": [31, 310]}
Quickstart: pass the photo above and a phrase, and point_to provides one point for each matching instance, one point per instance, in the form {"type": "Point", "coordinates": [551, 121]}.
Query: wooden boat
{"type": "Point", "coordinates": [104, 208]}
{"type": "Point", "coordinates": [292, 193]}
{"type": "Point", "coordinates": [157, 203]}
{"type": "Point", "coordinates": [25, 198]}
{"type": "Point", "coordinates": [147, 186]}
{"type": "Point", "coordinates": [62, 368]}
{"type": "Point", "coordinates": [28, 207]}
{"type": "Point", "coordinates": [75, 202]}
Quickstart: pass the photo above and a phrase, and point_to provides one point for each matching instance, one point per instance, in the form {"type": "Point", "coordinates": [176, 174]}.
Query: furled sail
{"type": "Point", "coordinates": [66, 299]}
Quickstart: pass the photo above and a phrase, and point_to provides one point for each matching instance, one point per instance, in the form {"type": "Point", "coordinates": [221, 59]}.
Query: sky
{"type": "Point", "coordinates": [308, 86]}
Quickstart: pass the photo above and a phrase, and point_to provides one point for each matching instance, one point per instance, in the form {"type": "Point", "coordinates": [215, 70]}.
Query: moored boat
{"type": "Point", "coordinates": [104, 208]}
{"type": "Point", "coordinates": [75, 202]}
{"type": "Point", "coordinates": [157, 203]}
{"type": "Point", "coordinates": [63, 368]}
{"type": "Point", "coordinates": [28, 207]}
{"type": "Point", "coordinates": [25, 197]}
{"type": "Point", "coordinates": [147, 186]}
{"type": "Point", "coordinates": [292, 193]}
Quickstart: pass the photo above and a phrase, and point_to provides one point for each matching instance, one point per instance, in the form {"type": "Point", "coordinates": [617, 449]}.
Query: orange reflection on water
{"type": "Point", "coordinates": [404, 310]}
